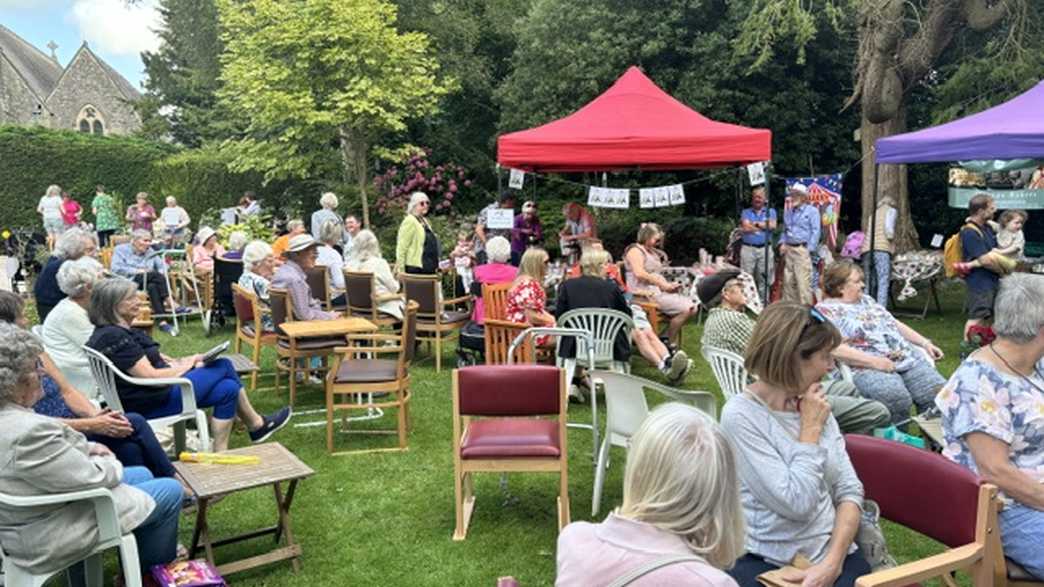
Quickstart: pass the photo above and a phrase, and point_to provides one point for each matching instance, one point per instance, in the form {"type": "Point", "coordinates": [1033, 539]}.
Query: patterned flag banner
{"type": "Point", "coordinates": [824, 192]}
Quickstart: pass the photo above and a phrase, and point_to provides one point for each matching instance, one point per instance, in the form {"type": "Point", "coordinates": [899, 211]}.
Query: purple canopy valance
{"type": "Point", "coordinates": [1012, 130]}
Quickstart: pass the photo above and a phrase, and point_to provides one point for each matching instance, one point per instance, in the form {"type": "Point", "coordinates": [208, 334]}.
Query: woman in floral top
{"type": "Point", "coordinates": [886, 366]}
{"type": "Point", "coordinates": [105, 219]}
{"type": "Point", "coordinates": [526, 300]}
{"type": "Point", "coordinates": [993, 416]}
{"type": "Point", "coordinates": [141, 213]}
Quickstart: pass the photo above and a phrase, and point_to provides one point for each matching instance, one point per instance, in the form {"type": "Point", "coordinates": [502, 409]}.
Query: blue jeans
{"type": "Point", "coordinates": [139, 449]}
{"type": "Point", "coordinates": [216, 385]}
{"type": "Point", "coordinates": [883, 268]}
{"type": "Point", "coordinates": [157, 536]}
{"type": "Point", "coordinates": [1022, 529]}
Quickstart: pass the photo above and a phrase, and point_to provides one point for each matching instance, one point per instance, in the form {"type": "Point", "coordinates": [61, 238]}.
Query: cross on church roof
{"type": "Point", "coordinates": [52, 46]}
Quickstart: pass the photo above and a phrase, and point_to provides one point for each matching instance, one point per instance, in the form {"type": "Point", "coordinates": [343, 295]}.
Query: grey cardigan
{"type": "Point", "coordinates": [40, 456]}
{"type": "Point", "coordinates": [790, 490]}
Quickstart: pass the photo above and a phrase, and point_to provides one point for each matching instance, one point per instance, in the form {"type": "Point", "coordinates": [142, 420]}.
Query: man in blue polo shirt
{"type": "Point", "coordinates": [757, 224]}
{"type": "Point", "coordinates": [800, 238]}
{"type": "Point", "coordinates": [978, 239]}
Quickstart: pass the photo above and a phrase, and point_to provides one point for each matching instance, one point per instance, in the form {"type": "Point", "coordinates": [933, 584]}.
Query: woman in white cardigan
{"type": "Point", "coordinates": [67, 328]}
{"type": "Point", "coordinates": [365, 257]}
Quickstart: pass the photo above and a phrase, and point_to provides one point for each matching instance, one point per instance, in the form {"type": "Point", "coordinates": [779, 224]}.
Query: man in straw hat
{"type": "Point", "coordinates": [800, 238]}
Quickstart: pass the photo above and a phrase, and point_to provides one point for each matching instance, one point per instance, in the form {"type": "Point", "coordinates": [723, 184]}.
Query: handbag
{"type": "Point", "coordinates": [870, 538]}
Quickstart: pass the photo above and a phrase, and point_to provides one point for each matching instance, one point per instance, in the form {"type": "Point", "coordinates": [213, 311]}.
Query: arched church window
{"type": "Point", "coordinates": [90, 120]}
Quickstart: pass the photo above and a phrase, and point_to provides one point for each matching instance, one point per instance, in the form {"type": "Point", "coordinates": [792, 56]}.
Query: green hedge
{"type": "Point", "coordinates": [33, 158]}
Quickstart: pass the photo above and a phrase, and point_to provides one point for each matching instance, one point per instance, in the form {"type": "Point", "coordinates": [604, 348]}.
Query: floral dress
{"type": "Point", "coordinates": [980, 398]}
{"type": "Point", "coordinates": [105, 213]}
{"type": "Point", "coordinates": [867, 326]}
{"type": "Point", "coordinates": [524, 296]}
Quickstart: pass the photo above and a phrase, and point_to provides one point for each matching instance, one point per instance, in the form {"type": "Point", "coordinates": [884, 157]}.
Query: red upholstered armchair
{"type": "Point", "coordinates": [933, 496]}
{"type": "Point", "coordinates": [508, 418]}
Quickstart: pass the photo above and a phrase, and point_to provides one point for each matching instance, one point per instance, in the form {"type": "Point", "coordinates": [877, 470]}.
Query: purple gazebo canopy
{"type": "Point", "coordinates": [1012, 130]}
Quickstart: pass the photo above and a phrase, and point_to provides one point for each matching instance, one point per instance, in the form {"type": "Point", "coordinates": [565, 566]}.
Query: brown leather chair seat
{"type": "Point", "coordinates": [312, 344]}
{"type": "Point", "coordinates": [367, 370]}
{"type": "Point", "coordinates": [510, 437]}
{"type": "Point", "coordinates": [248, 330]}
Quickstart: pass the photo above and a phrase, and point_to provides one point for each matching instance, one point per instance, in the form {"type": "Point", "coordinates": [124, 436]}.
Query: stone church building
{"type": "Point", "coordinates": [88, 95]}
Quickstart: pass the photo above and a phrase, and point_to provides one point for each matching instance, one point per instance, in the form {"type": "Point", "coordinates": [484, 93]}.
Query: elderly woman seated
{"type": "Point", "coordinates": [138, 262]}
{"type": "Point", "coordinates": [991, 410]}
{"type": "Point", "coordinates": [594, 289]}
{"type": "Point", "coordinates": [71, 245]}
{"type": "Point", "coordinates": [799, 490]}
{"type": "Point", "coordinates": [680, 499]}
{"type": "Point", "coordinates": [128, 436]}
{"type": "Point", "coordinates": [114, 304]}
{"type": "Point", "coordinates": [729, 327]}
{"type": "Point", "coordinates": [365, 257]}
{"type": "Point", "coordinates": [258, 268]}
{"type": "Point", "coordinates": [330, 234]}
{"type": "Point", "coordinates": [645, 264]}
{"type": "Point", "coordinates": [495, 270]}
{"type": "Point", "coordinates": [237, 241]}
{"type": "Point", "coordinates": [880, 349]}
{"type": "Point", "coordinates": [292, 276]}
{"type": "Point", "coordinates": [67, 327]}
{"type": "Point", "coordinates": [43, 455]}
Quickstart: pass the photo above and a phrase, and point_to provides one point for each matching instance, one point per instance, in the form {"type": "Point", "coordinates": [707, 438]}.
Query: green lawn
{"type": "Point", "coordinates": [386, 519]}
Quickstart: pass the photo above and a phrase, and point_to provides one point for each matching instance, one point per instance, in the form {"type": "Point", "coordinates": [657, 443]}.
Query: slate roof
{"type": "Point", "coordinates": [40, 72]}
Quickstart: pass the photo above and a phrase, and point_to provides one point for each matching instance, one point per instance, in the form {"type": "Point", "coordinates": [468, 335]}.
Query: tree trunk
{"type": "Point", "coordinates": [355, 159]}
{"type": "Point", "coordinates": [891, 180]}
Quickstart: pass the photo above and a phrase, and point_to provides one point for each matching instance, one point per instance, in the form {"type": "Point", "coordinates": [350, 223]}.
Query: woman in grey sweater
{"type": "Point", "coordinates": [800, 493]}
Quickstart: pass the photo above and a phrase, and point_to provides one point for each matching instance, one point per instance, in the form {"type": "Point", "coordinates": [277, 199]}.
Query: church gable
{"type": "Point", "coordinates": [91, 97]}
{"type": "Point", "coordinates": [18, 103]}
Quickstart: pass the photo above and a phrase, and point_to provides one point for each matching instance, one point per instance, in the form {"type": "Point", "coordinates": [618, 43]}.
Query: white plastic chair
{"type": "Point", "coordinates": [627, 408]}
{"type": "Point", "coordinates": [604, 325]}
{"type": "Point", "coordinates": [109, 536]}
{"type": "Point", "coordinates": [105, 374]}
{"type": "Point", "coordinates": [728, 370]}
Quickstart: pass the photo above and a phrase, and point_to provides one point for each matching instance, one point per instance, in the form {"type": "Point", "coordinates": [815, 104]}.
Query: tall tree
{"type": "Point", "coordinates": [182, 76]}
{"type": "Point", "coordinates": [901, 43]}
{"type": "Point", "coordinates": [310, 74]}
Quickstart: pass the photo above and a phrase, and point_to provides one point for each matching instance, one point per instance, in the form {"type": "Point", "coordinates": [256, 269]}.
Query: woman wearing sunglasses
{"type": "Point", "coordinates": [800, 494]}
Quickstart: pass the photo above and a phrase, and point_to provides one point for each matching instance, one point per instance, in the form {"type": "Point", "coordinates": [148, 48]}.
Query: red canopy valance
{"type": "Point", "coordinates": [633, 124]}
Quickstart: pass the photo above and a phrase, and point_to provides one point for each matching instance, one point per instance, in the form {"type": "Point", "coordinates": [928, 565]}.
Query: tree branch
{"type": "Point", "coordinates": [919, 53]}
{"type": "Point", "coordinates": [982, 16]}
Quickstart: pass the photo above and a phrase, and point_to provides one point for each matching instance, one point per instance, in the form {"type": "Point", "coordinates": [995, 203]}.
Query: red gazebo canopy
{"type": "Point", "coordinates": [633, 124]}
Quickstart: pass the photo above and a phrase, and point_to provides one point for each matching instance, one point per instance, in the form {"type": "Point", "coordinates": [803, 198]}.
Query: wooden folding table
{"type": "Point", "coordinates": [209, 481]}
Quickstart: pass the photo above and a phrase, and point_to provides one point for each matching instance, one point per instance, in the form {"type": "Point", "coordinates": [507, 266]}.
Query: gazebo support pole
{"type": "Point", "coordinates": [768, 239]}
{"type": "Point", "coordinates": [871, 279]}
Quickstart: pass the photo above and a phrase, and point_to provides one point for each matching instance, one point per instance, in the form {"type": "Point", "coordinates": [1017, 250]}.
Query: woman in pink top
{"type": "Point", "coordinates": [140, 214]}
{"type": "Point", "coordinates": [496, 270]}
{"type": "Point", "coordinates": [203, 253]}
{"type": "Point", "coordinates": [71, 210]}
{"type": "Point", "coordinates": [681, 506]}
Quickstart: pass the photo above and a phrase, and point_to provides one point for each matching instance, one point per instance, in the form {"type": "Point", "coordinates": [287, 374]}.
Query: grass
{"type": "Point", "coordinates": [386, 519]}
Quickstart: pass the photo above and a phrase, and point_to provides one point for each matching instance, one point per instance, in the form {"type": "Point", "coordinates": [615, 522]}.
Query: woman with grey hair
{"type": "Point", "coordinates": [258, 268]}
{"type": "Point", "coordinates": [50, 210]}
{"type": "Point", "coordinates": [67, 328]}
{"type": "Point", "coordinates": [680, 499]}
{"type": "Point", "coordinates": [44, 456]}
{"type": "Point", "coordinates": [329, 235]}
{"type": "Point", "coordinates": [326, 213]}
{"type": "Point", "coordinates": [991, 410]}
{"type": "Point", "coordinates": [236, 242]}
{"type": "Point", "coordinates": [365, 257]}
{"type": "Point", "coordinates": [114, 304]}
{"type": "Point", "coordinates": [417, 246]}
{"type": "Point", "coordinates": [495, 270]}
{"type": "Point", "coordinates": [71, 245]}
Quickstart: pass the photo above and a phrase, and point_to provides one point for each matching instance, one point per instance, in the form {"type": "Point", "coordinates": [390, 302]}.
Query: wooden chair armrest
{"type": "Point", "coordinates": [468, 299]}
{"type": "Point", "coordinates": [387, 297]}
{"type": "Point", "coordinates": [377, 350]}
{"type": "Point", "coordinates": [954, 559]}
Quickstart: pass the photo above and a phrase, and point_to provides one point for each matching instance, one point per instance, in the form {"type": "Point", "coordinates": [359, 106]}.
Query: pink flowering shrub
{"type": "Point", "coordinates": [443, 183]}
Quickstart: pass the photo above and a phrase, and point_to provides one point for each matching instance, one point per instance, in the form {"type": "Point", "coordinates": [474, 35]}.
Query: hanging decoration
{"type": "Point", "coordinates": [599, 197]}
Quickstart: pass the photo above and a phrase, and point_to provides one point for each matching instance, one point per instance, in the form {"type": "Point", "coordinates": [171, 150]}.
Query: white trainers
{"type": "Point", "coordinates": [680, 365]}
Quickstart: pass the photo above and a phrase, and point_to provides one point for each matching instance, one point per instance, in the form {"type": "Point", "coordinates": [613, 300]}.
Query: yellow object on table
{"type": "Point", "coordinates": [218, 458]}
